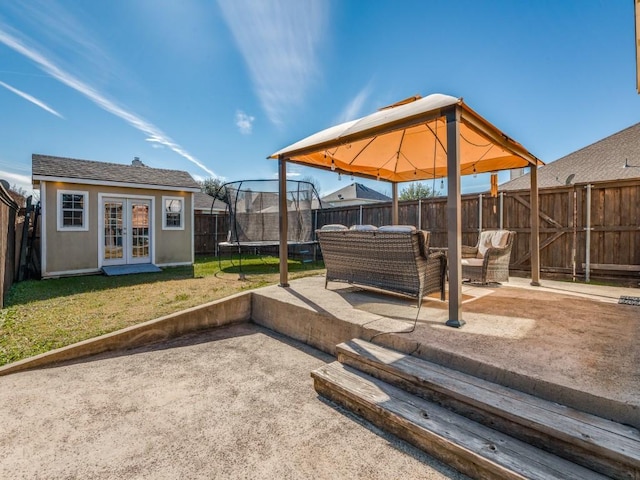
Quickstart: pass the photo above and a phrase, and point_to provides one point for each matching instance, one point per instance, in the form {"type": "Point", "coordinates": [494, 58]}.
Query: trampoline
{"type": "Point", "coordinates": [254, 226]}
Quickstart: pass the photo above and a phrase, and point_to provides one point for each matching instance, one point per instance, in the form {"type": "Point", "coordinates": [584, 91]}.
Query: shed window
{"type": "Point", "coordinates": [73, 210]}
{"type": "Point", "coordinates": [173, 213]}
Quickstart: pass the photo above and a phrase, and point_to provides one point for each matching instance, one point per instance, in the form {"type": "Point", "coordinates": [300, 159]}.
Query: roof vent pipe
{"type": "Point", "coordinates": [136, 162]}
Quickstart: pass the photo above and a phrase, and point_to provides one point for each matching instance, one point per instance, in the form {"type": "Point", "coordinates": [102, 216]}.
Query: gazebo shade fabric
{"type": "Point", "coordinates": [407, 141]}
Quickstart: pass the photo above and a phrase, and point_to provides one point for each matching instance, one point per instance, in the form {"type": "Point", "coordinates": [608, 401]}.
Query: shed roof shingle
{"type": "Point", "coordinates": [601, 161]}
{"type": "Point", "coordinates": [60, 167]}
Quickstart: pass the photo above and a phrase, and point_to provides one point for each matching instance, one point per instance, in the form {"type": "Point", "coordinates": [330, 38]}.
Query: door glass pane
{"type": "Point", "coordinates": [113, 231]}
{"type": "Point", "coordinates": [139, 230]}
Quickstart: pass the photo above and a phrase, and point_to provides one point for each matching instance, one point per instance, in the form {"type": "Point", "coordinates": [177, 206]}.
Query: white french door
{"type": "Point", "coordinates": [126, 234]}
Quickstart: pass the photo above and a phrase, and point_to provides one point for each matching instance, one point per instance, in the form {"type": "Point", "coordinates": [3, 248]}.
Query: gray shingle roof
{"type": "Point", "coordinates": [203, 201]}
{"type": "Point", "coordinates": [356, 191]}
{"type": "Point", "coordinates": [601, 161]}
{"type": "Point", "coordinates": [60, 167]}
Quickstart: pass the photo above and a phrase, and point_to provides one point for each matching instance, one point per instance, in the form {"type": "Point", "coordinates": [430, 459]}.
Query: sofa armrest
{"type": "Point", "coordinates": [436, 254]}
{"type": "Point", "coordinates": [436, 272]}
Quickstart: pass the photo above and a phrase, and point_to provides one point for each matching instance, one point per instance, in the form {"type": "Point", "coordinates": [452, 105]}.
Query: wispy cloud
{"type": "Point", "coordinates": [279, 40]}
{"type": "Point", "coordinates": [23, 181]}
{"type": "Point", "coordinates": [289, 175]}
{"type": "Point", "coordinates": [65, 33]}
{"type": "Point", "coordinates": [244, 122]}
{"type": "Point", "coordinates": [353, 109]}
{"type": "Point", "coordinates": [155, 135]}
{"type": "Point", "coordinates": [31, 99]}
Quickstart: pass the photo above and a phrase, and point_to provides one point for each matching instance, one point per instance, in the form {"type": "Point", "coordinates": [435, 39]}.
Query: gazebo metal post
{"type": "Point", "coordinates": [454, 227]}
{"type": "Point", "coordinates": [535, 228]}
{"type": "Point", "coordinates": [394, 203]}
{"type": "Point", "coordinates": [284, 220]}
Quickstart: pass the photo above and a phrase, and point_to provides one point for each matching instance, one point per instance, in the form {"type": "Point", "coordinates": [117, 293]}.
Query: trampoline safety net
{"type": "Point", "coordinates": [254, 211]}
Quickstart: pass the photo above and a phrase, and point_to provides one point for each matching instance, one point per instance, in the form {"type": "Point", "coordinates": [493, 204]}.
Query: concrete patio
{"type": "Point", "coordinates": [238, 401]}
{"type": "Point", "coordinates": [566, 342]}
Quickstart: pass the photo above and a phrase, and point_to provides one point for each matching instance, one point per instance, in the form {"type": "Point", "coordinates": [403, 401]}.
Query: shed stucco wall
{"type": "Point", "coordinates": [71, 252]}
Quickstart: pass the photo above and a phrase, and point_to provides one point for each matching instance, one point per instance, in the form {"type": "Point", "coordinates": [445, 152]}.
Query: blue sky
{"type": "Point", "coordinates": [214, 87]}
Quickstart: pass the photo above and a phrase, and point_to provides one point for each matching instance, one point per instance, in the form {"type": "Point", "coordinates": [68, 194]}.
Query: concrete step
{"type": "Point", "coordinates": [471, 448]}
{"type": "Point", "coordinates": [593, 442]}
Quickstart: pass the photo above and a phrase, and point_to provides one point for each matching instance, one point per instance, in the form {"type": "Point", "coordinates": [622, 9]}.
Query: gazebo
{"type": "Point", "coordinates": [417, 139]}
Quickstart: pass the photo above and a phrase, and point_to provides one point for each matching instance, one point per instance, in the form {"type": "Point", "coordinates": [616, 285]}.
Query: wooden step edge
{"type": "Point", "coordinates": [374, 352]}
{"type": "Point", "coordinates": [471, 448]}
{"type": "Point", "coordinates": [359, 346]}
{"type": "Point", "coordinates": [579, 441]}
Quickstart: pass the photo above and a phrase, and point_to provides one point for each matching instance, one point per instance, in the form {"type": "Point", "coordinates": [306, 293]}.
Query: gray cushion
{"type": "Point", "coordinates": [363, 228]}
{"type": "Point", "coordinates": [397, 228]}
{"type": "Point", "coordinates": [333, 227]}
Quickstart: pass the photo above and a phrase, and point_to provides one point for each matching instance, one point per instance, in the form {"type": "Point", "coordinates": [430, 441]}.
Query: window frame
{"type": "Point", "coordinates": [164, 213]}
{"type": "Point", "coordinates": [85, 211]}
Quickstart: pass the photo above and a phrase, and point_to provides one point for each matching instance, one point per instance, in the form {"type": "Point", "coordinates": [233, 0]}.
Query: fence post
{"type": "Point", "coordinates": [479, 215]}
{"type": "Point", "coordinates": [216, 235]}
{"type": "Point", "coordinates": [587, 259]}
{"type": "Point", "coordinates": [22, 265]}
{"type": "Point", "coordinates": [501, 209]}
{"type": "Point", "coordinates": [419, 214]}
{"type": "Point", "coordinates": [360, 213]}
{"type": "Point", "coordinates": [574, 242]}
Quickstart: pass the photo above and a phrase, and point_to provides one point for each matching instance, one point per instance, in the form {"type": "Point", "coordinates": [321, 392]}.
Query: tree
{"type": "Point", "coordinates": [18, 194]}
{"type": "Point", "coordinates": [416, 191]}
{"type": "Point", "coordinates": [313, 181]}
{"type": "Point", "coordinates": [211, 186]}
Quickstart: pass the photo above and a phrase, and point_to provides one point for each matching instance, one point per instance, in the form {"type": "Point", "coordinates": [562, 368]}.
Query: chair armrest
{"type": "Point", "coordinates": [468, 251]}
{"type": "Point", "coordinates": [497, 251]}
{"type": "Point", "coordinates": [497, 255]}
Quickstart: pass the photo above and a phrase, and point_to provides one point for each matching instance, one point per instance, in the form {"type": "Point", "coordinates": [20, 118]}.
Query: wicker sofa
{"type": "Point", "coordinates": [392, 259]}
{"type": "Point", "coordinates": [488, 261]}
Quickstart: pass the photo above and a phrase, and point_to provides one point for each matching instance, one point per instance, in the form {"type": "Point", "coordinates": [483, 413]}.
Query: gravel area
{"type": "Point", "coordinates": [234, 402]}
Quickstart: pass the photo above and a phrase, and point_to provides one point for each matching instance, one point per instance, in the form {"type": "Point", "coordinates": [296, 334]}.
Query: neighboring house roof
{"type": "Point", "coordinates": [49, 168]}
{"type": "Point", "coordinates": [203, 202]}
{"type": "Point", "coordinates": [603, 160]}
{"type": "Point", "coordinates": [354, 194]}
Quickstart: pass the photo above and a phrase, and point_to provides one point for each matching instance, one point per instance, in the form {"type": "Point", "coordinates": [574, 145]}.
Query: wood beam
{"type": "Point", "coordinates": [475, 122]}
{"type": "Point", "coordinates": [394, 203]}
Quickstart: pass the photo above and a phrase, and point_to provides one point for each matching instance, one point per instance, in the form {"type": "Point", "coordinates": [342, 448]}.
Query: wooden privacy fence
{"type": "Point", "coordinates": [8, 210]}
{"type": "Point", "coordinates": [585, 230]}
{"type": "Point", "coordinates": [209, 230]}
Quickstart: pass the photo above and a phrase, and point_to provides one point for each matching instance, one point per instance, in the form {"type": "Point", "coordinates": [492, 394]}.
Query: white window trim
{"type": "Point", "coordinates": [85, 211]}
{"type": "Point", "coordinates": [164, 213]}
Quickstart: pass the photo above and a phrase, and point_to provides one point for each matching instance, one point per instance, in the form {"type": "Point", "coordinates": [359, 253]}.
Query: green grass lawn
{"type": "Point", "coordinates": [43, 315]}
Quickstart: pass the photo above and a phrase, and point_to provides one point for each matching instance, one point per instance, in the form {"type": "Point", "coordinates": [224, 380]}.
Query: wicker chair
{"type": "Point", "coordinates": [488, 261]}
{"type": "Point", "coordinates": [388, 260]}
